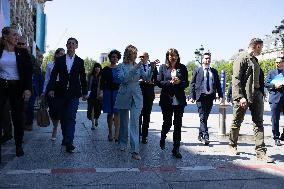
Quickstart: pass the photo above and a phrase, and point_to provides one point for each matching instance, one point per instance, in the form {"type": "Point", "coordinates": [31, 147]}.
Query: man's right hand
{"type": "Point", "coordinates": [243, 102]}
{"type": "Point", "coordinates": [51, 94]}
{"type": "Point", "coordinates": [278, 86]}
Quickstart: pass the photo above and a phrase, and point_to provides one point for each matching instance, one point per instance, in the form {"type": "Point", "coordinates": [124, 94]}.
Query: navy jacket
{"type": "Point", "coordinates": [76, 78]}
{"type": "Point", "coordinates": [169, 90]}
{"type": "Point", "coordinates": [274, 94]}
{"type": "Point", "coordinates": [197, 83]}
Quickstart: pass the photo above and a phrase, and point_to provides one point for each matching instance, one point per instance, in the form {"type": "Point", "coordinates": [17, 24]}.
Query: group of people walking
{"type": "Point", "coordinates": [125, 92]}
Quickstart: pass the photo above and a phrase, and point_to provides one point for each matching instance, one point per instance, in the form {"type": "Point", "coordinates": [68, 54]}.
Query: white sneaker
{"type": "Point", "coordinates": [53, 139]}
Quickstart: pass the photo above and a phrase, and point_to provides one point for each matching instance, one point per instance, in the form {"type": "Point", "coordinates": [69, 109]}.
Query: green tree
{"type": "Point", "coordinates": [267, 65]}
{"type": "Point", "coordinates": [105, 63]}
{"type": "Point", "coordinates": [225, 65]}
{"type": "Point", "coordinates": [89, 63]}
{"type": "Point", "coordinates": [48, 57]}
{"type": "Point", "coordinates": [191, 66]}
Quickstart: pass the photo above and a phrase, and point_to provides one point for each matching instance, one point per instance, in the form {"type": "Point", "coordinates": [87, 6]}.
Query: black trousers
{"type": "Point", "coordinates": [6, 122]}
{"type": "Point", "coordinates": [11, 91]}
{"type": "Point", "coordinates": [144, 118]}
{"type": "Point", "coordinates": [204, 105]}
{"type": "Point", "coordinates": [168, 112]}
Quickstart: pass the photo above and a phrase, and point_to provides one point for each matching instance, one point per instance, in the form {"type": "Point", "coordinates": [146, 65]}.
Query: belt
{"type": "Point", "coordinates": [9, 82]}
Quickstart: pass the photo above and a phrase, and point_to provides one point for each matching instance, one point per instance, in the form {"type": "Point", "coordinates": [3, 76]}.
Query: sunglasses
{"type": "Point", "coordinates": [21, 43]}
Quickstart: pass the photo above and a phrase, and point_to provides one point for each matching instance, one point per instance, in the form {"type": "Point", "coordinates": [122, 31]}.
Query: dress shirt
{"type": "Point", "coordinates": [211, 80]}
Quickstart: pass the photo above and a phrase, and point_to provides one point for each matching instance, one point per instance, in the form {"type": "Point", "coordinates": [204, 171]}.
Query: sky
{"type": "Point", "coordinates": [221, 26]}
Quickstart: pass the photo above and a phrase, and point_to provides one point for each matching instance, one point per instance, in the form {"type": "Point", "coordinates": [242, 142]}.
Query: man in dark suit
{"type": "Point", "coordinates": [72, 85]}
{"type": "Point", "coordinates": [276, 99]}
{"type": "Point", "coordinates": [147, 88]}
{"type": "Point", "coordinates": [204, 85]}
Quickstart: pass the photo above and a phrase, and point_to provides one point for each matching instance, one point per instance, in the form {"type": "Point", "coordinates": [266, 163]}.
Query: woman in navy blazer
{"type": "Point", "coordinates": [173, 79]}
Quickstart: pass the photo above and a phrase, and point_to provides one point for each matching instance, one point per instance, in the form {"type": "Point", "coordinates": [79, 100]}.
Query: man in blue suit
{"type": "Point", "coordinates": [204, 85]}
{"type": "Point", "coordinates": [276, 99]}
{"type": "Point", "coordinates": [71, 86]}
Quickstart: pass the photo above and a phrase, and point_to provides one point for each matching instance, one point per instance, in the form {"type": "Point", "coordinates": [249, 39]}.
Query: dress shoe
{"type": "Point", "coordinates": [136, 156]}
{"type": "Point", "coordinates": [200, 138]}
{"type": "Point", "coordinates": [176, 154]}
{"type": "Point", "coordinates": [63, 143]}
{"type": "Point", "coordinates": [277, 142]}
{"type": "Point", "coordinates": [144, 140]}
{"type": "Point", "coordinates": [5, 138]}
{"type": "Point", "coordinates": [282, 137]}
{"type": "Point", "coordinates": [162, 144]}
{"type": "Point", "coordinates": [206, 141]}
{"type": "Point", "coordinates": [70, 148]}
{"type": "Point", "coordinates": [233, 150]}
{"type": "Point", "coordinates": [19, 151]}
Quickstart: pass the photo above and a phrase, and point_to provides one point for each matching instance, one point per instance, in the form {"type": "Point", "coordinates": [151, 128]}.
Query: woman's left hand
{"type": "Point", "coordinates": [26, 95]}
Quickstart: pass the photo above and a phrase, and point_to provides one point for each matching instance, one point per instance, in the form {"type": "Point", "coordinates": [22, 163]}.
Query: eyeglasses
{"type": "Point", "coordinates": [278, 62]}
{"type": "Point", "coordinates": [207, 58]}
{"type": "Point", "coordinates": [71, 43]}
{"type": "Point", "coordinates": [19, 43]}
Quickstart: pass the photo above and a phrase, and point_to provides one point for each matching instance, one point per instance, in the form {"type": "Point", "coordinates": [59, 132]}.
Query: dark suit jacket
{"type": "Point", "coordinates": [148, 89]}
{"type": "Point", "coordinates": [274, 94]}
{"type": "Point", "coordinates": [76, 78]}
{"type": "Point", "coordinates": [197, 83]}
{"type": "Point", "coordinates": [169, 90]}
{"type": "Point", "coordinates": [24, 65]}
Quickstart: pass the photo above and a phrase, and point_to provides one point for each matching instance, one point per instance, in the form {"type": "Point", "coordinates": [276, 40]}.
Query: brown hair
{"type": "Point", "coordinates": [129, 50]}
{"type": "Point", "coordinates": [171, 51]}
{"type": "Point", "coordinates": [254, 42]}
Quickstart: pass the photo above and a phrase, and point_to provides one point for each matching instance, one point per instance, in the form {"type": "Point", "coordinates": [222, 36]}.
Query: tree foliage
{"type": "Point", "coordinates": [105, 63]}
{"type": "Point", "coordinates": [267, 65]}
{"type": "Point", "coordinates": [191, 66]}
{"type": "Point", "coordinates": [89, 63]}
{"type": "Point", "coordinates": [227, 66]}
{"type": "Point", "coordinates": [48, 57]}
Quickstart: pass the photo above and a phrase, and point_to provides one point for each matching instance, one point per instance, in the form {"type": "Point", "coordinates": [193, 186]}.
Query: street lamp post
{"type": "Point", "coordinates": [199, 54]}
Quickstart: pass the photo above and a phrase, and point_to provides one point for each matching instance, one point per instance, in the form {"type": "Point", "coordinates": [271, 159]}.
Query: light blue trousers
{"type": "Point", "coordinates": [134, 127]}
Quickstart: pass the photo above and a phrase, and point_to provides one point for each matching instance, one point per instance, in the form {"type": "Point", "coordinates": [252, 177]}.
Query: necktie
{"type": "Point", "coordinates": [144, 65]}
{"type": "Point", "coordinates": [207, 80]}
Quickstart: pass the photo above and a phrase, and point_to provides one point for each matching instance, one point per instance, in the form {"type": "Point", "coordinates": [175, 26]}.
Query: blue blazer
{"type": "Point", "coordinates": [274, 94]}
{"type": "Point", "coordinates": [197, 83]}
{"type": "Point", "coordinates": [129, 88]}
{"type": "Point", "coordinates": [76, 78]}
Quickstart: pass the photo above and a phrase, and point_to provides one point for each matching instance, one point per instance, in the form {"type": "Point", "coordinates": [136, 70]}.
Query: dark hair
{"type": "Point", "coordinates": [5, 31]}
{"type": "Point", "coordinates": [114, 51]}
{"type": "Point", "coordinates": [96, 65]}
{"type": "Point", "coordinates": [171, 51]}
{"type": "Point", "coordinates": [207, 53]}
{"type": "Point", "coordinates": [57, 51]}
{"type": "Point", "coordinates": [255, 41]}
{"type": "Point", "coordinates": [72, 38]}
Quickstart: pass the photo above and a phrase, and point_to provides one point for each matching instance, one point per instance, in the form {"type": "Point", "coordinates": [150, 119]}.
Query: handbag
{"type": "Point", "coordinates": [42, 115]}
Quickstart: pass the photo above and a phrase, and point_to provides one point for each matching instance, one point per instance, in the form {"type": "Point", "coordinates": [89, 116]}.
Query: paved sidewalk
{"type": "Point", "coordinates": [98, 163]}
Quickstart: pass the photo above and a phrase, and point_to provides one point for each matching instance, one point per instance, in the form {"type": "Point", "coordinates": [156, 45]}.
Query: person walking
{"type": "Point", "coordinates": [52, 102]}
{"type": "Point", "coordinates": [129, 99]}
{"type": "Point", "coordinates": [276, 98]}
{"type": "Point", "coordinates": [95, 95]}
{"type": "Point", "coordinates": [147, 88]}
{"type": "Point", "coordinates": [247, 92]}
{"type": "Point", "coordinates": [172, 79]}
{"type": "Point", "coordinates": [110, 86]}
{"type": "Point", "coordinates": [72, 85]}
{"type": "Point", "coordinates": [204, 85]}
{"type": "Point", "coordinates": [15, 81]}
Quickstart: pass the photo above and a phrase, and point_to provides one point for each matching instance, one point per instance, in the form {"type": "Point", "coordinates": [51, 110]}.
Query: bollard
{"type": "Point", "coordinates": [222, 107]}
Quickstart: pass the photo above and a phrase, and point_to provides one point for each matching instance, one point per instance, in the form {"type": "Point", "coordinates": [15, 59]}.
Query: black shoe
{"type": "Point", "coordinates": [200, 138]}
{"type": "Point", "coordinates": [144, 140]}
{"type": "Point", "coordinates": [206, 141]}
{"type": "Point", "coordinates": [162, 144]}
{"type": "Point", "coordinates": [282, 137]}
{"type": "Point", "coordinates": [70, 148]}
{"type": "Point", "coordinates": [277, 142]}
{"type": "Point", "coordinates": [5, 138]}
{"type": "Point", "coordinates": [19, 151]}
{"type": "Point", "coordinates": [176, 154]}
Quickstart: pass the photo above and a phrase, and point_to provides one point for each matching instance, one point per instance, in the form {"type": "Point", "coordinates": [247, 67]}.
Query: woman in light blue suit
{"type": "Point", "coordinates": [129, 98]}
